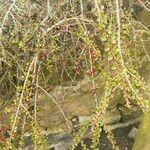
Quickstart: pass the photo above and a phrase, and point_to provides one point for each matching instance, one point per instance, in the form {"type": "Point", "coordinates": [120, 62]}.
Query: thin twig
{"type": "Point", "coordinates": [145, 7]}
{"type": "Point", "coordinates": [65, 20]}
{"type": "Point", "coordinates": [81, 6]}
{"type": "Point", "coordinates": [21, 98]}
{"type": "Point", "coordinates": [120, 48]}
{"type": "Point", "coordinates": [6, 16]}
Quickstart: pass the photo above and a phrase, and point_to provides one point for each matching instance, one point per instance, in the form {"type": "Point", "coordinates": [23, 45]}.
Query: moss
{"type": "Point", "coordinates": [142, 141]}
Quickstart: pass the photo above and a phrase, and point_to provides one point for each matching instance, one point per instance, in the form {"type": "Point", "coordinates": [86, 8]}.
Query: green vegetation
{"type": "Point", "coordinates": [50, 45]}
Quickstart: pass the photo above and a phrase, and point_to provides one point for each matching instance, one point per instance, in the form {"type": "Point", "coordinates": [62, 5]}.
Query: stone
{"type": "Point", "coordinates": [111, 117]}
{"type": "Point", "coordinates": [61, 143]}
{"type": "Point", "coordinates": [114, 102]}
{"type": "Point", "coordinates": [130, 113]}
{"type": "Point", "coordinates": [117, 99]}
{"type": "Point", "coordinates": [82, 119]}
{"type": "Point", "coordinates": [133, 133]}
